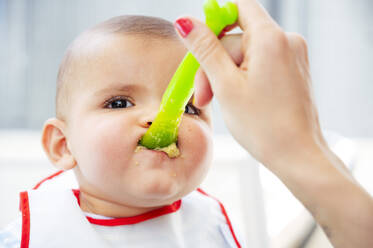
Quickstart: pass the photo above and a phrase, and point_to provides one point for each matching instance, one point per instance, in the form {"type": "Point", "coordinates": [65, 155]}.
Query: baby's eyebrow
{"type": "Point", "coordinates": [113, 88]}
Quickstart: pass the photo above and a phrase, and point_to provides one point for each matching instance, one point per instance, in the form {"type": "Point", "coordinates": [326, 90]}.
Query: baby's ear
{"type": "Point", "coordinates": [55, 144]}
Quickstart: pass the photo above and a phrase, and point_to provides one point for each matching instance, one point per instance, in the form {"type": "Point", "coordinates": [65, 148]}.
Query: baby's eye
{"type": "Point", "coordinates": [118, 102]}
{"type": "Point", "coordinates": [190, 109]}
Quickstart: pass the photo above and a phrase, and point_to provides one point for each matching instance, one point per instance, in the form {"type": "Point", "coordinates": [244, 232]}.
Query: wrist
{"type": "Point", "coordinates": [321, 182]}
{"type": "Point", "coordinates": [310, 170]}
{"type": "Point", "coordinates": [297, 155]}
{"type": "Point", "coordinates": [317, 177]}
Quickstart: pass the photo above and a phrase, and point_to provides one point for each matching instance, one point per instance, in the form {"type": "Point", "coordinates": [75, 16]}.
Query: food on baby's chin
{"type": "Point", "coordinates": [172, 151]}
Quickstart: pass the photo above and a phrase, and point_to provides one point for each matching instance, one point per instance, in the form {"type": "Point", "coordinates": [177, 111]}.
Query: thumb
{"type": "Point", "coordinates": [207, 49]}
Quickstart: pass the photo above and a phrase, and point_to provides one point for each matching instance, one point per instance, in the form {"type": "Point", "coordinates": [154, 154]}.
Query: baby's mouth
{"type": "Point", "coordinates": [172, 150]}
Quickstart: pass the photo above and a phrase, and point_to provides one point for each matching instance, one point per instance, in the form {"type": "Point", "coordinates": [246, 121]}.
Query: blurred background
{"type": "Point", "coordinates": [35, 33]}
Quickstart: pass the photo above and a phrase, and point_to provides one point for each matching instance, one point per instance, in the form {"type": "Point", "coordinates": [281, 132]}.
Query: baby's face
{"type": "Point", "coordinates": [118, 86]}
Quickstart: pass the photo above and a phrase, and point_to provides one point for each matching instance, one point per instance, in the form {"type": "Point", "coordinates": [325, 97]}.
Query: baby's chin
{"type": "Point", "coordinates": [165, 183]}
{"type": "Point", "coordinates": [158, 188]}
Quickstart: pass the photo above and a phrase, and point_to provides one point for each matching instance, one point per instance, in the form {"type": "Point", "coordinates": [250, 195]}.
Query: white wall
{"type": "Point", "coordinates": [340, 35]}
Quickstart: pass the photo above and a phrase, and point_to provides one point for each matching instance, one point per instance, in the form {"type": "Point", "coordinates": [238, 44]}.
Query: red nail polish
{"type": "Point", "coordinates": [184, 26]}
{"type": "Point", "coordinates": [226, 29]}
{"type": "Point", "coordinates": [221, 35]}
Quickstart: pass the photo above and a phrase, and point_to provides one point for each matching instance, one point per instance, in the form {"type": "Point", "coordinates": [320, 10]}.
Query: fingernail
{"type": "Point", "coordinates": [183, 26]}
{"type": "Point", "coordinates": [221, 35]}
{"type": "Point", "coordinates": [226, 29]}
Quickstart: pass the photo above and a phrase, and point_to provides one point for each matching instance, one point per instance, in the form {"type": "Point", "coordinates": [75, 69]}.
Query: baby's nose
{"type": "Point", "coordinates": [148, 116]}
{"type": "Point", "coordinates": [146, 124]}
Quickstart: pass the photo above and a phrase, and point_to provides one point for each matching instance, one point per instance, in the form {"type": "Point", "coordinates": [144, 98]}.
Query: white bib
{"type": "Point", "coordinates": [52, 218]}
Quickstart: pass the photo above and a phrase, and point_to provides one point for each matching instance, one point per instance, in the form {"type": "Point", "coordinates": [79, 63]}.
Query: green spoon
{"type": "Point", "coordinates": [164, 129]}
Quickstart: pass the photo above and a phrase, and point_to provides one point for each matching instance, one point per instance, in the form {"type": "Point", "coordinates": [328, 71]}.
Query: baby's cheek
{"type": "Point", "coordinates": [105, 147]}
{"type": "Point", "coordinates": [195, 141]}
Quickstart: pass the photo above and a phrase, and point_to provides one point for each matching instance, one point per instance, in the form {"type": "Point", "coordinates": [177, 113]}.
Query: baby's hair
{"type": "Point", "coordinates": [151, 27]}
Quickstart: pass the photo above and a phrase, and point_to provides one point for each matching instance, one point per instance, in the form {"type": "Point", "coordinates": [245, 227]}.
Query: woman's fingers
{"type": "Point", "coordinates": [208, 50]}
{"type": "Point", "coordinates": [232, 44]}
{"type": "Point", "coordinates": [258, 29]}
{"type": "Point", "coordinates": [252, 15]}
{"type": "Point", "coordinates": [203, 93]}
{"type": "Point", "coordinates": [299, 45]}
{"type": "Point", "coordinates": [202, 89]}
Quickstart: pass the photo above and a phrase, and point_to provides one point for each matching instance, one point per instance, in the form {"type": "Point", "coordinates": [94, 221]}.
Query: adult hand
{"type": "Point", "coordinates": [262, 83]}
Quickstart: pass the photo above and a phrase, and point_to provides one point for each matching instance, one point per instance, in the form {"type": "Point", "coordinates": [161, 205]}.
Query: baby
{"type": "Point", "coordinates": [109, 89]}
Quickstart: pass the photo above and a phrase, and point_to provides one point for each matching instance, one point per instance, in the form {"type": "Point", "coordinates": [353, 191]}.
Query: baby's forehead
{"type": "Point", "coordinates": [130, 56]}
{"type": "Point", "coordinates": [108, 46]}
{"type": "Point", "coordinates": [87, 45]}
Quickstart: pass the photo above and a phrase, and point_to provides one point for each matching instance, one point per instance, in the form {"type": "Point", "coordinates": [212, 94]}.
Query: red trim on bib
{"type": "Point", "coordinates": [48, 178]}
{"type": "Point", "coordinates": [25, 209]}
{"type": "Point", "coordinates": [133, 219]}
{"type": "Point", "coordinates": [76, 194]}
{"type": "Point", "coordinates": [225, 214]}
